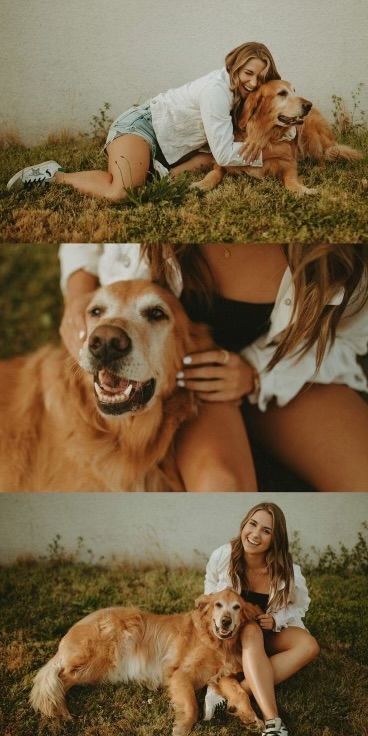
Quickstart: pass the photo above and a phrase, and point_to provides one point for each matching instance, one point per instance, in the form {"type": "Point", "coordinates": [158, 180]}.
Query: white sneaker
{"type": "Point", "coordinates": [275, 727]}
{"type": "Point", "coordinates": [33, 175]}
{"type": "Point", "coordinates": [160, 169]}
{"type": "Point", "coordinates": [211, 701]}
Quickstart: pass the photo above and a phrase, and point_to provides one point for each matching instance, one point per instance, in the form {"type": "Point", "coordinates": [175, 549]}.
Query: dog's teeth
{"type": "Point", "coordinates": [128, 391]}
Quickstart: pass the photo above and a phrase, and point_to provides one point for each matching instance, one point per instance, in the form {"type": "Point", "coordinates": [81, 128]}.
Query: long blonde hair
{"type": "Point", "coordinates": [236, 60]}
{"type": "Point", "coordinates": [319, 272]}
{"type": "Point", "coordinates": [278, 558]}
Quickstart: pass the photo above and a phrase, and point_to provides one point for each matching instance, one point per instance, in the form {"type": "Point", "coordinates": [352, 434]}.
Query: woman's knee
{"type": "Point", "coordinates": [312, 648]}
{"type": "Point", "coordinates": [251, 634]}
{"type": "Point", "coordinates": [219, 476]}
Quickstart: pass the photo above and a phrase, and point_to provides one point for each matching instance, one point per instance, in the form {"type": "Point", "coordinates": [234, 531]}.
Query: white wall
{"type": "Point", "coordinates": [62, 59]}
{"type": "Point", "coordinates": [164, 527]}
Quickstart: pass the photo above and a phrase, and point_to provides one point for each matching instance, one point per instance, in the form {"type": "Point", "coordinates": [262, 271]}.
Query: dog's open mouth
{"type": "Point", "coordinates": [297, 120]}
{"type": "Point", "coordinates": [223, 633]}
{"type": "Point", "coordinates": [117, 395]}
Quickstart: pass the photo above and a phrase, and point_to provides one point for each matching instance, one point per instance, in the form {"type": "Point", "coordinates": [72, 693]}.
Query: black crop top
{"type": "Point", "coordinates": [258, 599]}
{"type": "Point", "coordinates": [234, 324]}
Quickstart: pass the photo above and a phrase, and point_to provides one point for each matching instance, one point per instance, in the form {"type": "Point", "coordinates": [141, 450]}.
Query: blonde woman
{"type": "Point", "coordinates": [258, 565]}
{"type": "Point", "coordinates": [168, 129]}
{"type": "Point", "coordinates": [290, 322]}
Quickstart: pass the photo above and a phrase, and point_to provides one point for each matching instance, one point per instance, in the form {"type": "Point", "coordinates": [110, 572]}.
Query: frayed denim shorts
{"type": "Point", "coordinates": [136, 120]}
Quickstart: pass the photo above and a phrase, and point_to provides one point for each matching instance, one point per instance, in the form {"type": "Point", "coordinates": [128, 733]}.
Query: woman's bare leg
{"type": "Point", "coordinates": [198, 162]}
{"type": "Point", "coordinates": [322, 435]}
{"type": "Point", "coordinates": [291, 649]}
{"type": "Point", "coordinates": [128, 165]}
{"type": "Point", "coordinates": [213, 452]}
{"type": "Point", "coordinates": [258, 670]}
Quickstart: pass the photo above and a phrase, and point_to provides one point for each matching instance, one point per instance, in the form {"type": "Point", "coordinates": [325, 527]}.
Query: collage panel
{"type": "Point", "coordinates": [174, 374]}
{"type": "Point", "coordinates": [144, 614]}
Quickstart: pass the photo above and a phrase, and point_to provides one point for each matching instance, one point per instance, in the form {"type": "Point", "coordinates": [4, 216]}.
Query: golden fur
{"type": "Point", "coordinates": [261, 122]}
{"type": "Point", "coordinates": [184, 652]}
{"type": "Point", "coordinates": [56, 436]}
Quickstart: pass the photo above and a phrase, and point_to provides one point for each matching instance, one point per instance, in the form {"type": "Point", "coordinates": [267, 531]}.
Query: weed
{"type": "Point", "coordinates": [101, 122]}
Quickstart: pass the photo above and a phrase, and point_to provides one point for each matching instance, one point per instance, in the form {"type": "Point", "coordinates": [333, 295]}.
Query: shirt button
{"type": "Point", "coordinates": [288, 302]}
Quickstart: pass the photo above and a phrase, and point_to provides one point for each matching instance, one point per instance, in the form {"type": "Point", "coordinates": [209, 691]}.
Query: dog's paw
{"type": "Point", "coordinates": [198, 185]}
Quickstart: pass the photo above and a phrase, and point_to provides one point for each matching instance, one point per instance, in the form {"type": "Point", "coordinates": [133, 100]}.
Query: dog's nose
{"type": "Point", "coordinates": [108, 343]}
{"type": "Point", "coordinates": [306, 106]}
{"type": "Point", "coordinates": [226, 622]}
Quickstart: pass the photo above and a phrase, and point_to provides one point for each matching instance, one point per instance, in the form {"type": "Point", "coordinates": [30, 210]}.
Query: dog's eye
{"type": "Point", "coordinates": [236, 607]}
{"type": "Point", "coordinates": [95, 311]}
{"type": "Point", "coordinates": [155, 314]}
{"type": "Point", "coordinates": [218, 604]}
{"type": "Point", "coordinates": [283, 93]}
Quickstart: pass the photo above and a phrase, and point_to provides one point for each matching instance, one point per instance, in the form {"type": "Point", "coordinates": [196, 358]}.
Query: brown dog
{"type": "Point", "coordinates": [184, 652]}
{"type": "Point", "coordinates": [285, 128]}
{"type": "Point", "coordinates": [107, 425]}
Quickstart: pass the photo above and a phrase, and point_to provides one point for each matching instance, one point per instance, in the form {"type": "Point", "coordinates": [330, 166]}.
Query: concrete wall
{"type": "Point", "coordinates": [169, 528]}
{"type": "Point", "coordinates": [62, 59]}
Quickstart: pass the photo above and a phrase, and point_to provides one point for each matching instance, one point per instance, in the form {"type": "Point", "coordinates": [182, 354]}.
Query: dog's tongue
{"type": "Point", "coordinates": [112, 383]}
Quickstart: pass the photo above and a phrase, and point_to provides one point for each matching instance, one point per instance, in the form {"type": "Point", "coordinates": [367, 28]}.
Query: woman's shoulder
{"type": "Point", "coordinates": [221, 555]}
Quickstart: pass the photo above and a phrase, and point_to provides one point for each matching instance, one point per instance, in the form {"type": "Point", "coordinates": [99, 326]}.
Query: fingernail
{"type": "Point", "coordinates": [82, 334]}
{"type": "Point", "coordinates": [180, 374]}
{"type": "Point", "coordinates": [181, 384]}
{"type": "Point", "coordinates": [187, 360]}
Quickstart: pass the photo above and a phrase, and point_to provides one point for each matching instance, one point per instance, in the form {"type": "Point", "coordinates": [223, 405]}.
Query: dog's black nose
{"type": "Point", "coordinates": [226, 622]}
{"type": "Point", "coordinates": [109, 343]}
{"type": "Point", "coordinates": [307, 106]}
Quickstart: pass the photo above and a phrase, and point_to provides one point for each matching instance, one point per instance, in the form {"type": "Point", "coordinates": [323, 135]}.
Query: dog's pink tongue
{"type": "Point", "coordinates": [112, 383]}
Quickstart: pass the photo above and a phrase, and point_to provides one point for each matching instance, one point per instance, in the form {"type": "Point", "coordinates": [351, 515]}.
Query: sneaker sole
{"type": "Point", "coordinates": [16, 182]}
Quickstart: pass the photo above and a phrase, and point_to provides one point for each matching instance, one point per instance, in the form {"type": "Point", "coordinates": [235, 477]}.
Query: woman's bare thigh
{"type": "Point", "coordinates": [129, 160]}
{"type": "Point", "coordinates": [213, 451]}
{"type": "Point", "coordinates": [322, 435]}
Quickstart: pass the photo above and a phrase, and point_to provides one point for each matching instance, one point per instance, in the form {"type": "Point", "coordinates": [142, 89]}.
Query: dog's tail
{"type": "Point", "coordinates": [346, 153]}
{"type": "Point", "coordinates": [48, 692]}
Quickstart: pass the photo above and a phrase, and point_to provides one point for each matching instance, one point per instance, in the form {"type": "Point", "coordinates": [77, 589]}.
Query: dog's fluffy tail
{"type": "Point", "coordinates": [347, 153]}
{"type": "Point", "coordinates": [48, 692]}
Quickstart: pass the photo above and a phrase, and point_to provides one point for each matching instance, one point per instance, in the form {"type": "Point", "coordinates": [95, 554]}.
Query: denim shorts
{"type": "Point", "coordinates": [136, 120]}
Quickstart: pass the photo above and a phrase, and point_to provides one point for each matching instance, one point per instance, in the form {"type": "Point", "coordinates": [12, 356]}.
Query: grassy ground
{"type": "Point", "coordinates": [31, 308]}
{"type": "Point", "coordinates": [239, 210]}
{"type": "Point", "coordinates": [40, 600]}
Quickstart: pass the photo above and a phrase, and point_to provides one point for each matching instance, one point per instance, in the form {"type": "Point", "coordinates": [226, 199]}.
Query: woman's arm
{"type": "Point", "coordinates": [218, 125]}
{"type": "Point", "coordinates": [217, 570]}
{"type": "Point", "coordinates": [292, 614]}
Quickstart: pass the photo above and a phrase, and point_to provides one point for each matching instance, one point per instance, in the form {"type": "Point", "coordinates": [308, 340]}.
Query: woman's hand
{"type": "Point", "coordinates": [217, 375]}
{"type": "Point", "coordinates": [266, 621]}
{"type": "Point", "coordinates": [73, 324]}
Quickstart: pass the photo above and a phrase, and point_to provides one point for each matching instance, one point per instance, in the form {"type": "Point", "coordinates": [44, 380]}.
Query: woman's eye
{"type": "Point", "coordinates": [155, 314]}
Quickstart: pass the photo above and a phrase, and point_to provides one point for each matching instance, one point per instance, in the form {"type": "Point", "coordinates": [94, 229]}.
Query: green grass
{"type": "Point", "coordinates": [239, 209]}
{"type": "Point", "coordinates": [40, 600]}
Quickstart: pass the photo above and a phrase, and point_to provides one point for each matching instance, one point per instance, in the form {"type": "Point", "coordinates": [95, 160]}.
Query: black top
{"type": "Point", "coordinates": [234, 324]}
{"type": "Point", "coordinates": [258, 599]}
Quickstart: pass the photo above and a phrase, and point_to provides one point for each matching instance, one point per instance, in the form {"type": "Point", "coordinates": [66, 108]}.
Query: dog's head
{"type": "Point", "coordinates": [226, 612]}
{"type": "Point", "coordinates": [137, 336]}
{"type": "Point", "coordinates": [274, 104]}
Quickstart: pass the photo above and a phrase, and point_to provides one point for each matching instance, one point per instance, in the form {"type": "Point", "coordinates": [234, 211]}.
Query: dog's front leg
{"type": "Point", "coordinates": [184, 700]}
{"type": "Point", "coordinates": [291, 181]}
{"type": "Point", "coordinates": [211, 180]}
{"type": "Point", "coordinates": [238, 702]}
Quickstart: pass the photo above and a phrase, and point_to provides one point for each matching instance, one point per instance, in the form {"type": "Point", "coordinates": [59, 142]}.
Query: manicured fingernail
{"type": "Point", "coordinates": [187, 360]}
{"type": "Point", "coordinates": [82, 334]}
{"type": "Point", "coordinates": [180, 374]}
{"type": "Point", "coordinates": [181, 384]}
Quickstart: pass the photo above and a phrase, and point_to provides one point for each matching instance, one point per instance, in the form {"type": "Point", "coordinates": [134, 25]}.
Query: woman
{"type": "Point", "coordinates": [290, 322]}
{"type": "Point", "coordinates": [169, 128]}
{"type": "Point", "coordinates": [258, 565]}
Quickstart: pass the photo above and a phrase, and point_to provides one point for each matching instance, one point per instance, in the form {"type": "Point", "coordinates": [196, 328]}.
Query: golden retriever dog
{"type": "Point", "coordinates": [183, 652]}
{"type": "Point", "coordinates": [109, 423]}
{"type": "Point", "coordinates": [286, 129]}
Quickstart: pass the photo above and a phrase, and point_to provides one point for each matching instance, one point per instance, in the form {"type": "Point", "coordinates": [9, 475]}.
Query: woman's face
{"type": "Point", "coordinates": [250, 76]}
{"type": "Point", "coordinates": [257, 533]}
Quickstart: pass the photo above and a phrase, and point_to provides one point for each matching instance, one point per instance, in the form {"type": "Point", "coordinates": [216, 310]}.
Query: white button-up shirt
{"type": "Point", "coordinates": [119, 261]}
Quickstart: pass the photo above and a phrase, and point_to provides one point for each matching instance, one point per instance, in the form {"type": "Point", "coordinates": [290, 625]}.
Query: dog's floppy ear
{"type": "Point", "coordinates": [202, 602]}
{"type": "Point", "coordinates": [249, 611]}
{"type": "Point", "coordinates": [250, 107]}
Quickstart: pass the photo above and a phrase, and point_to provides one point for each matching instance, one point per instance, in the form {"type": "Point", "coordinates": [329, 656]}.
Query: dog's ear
{"type": "Point", "coordinates": [202, 602]}
{"type": "Point", "coordinates": [250, 107]}
{"type": "Point", "coordinates": [249, 611]}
